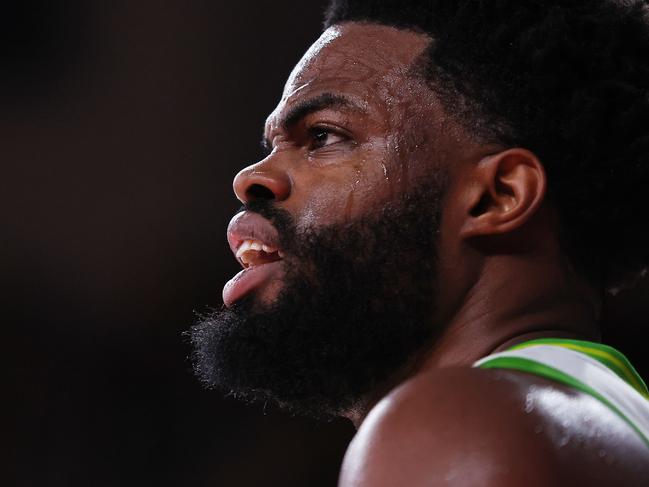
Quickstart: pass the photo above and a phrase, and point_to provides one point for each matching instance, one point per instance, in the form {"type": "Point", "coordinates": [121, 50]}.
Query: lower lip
{"type": "Point", "coordinates": [248, 280]}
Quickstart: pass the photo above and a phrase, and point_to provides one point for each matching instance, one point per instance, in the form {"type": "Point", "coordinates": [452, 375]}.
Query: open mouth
{"type": "Point", "coordinates": [253, 253]}
{"type": "Point", "coordinates": [254, 243]}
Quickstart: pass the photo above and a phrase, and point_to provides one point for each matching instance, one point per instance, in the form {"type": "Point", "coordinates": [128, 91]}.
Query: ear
{"type": "Point", "coordinates": [506, 191]}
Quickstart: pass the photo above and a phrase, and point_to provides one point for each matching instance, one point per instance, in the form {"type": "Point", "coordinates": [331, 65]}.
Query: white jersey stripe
{"type": "Point", "coordinates": [591, 373]}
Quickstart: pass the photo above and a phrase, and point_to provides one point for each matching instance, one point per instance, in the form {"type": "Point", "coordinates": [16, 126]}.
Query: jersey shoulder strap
{"type": "Point", "coordinates": [595, 369]}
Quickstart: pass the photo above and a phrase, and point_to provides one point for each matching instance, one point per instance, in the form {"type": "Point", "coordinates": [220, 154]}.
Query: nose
{"type": "Point", "coordinates": [257, 182]}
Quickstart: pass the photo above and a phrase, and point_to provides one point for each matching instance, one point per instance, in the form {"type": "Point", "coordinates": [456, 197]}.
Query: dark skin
{"type": "Point", "coordinates": [355, 128]}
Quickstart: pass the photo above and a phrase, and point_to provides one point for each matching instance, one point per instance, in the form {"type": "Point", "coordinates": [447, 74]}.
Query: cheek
{"type": "Point", "coordinates": [341, 194]}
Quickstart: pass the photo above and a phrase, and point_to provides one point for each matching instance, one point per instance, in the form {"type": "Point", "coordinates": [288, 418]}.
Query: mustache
{"type": "Point", "coordinates": [281, 219]}
{"type": "Point", "coordinates": [268, 210]}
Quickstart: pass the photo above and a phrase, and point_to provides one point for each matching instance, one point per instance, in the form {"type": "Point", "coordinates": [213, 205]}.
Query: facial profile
{"type": "Point", "coordinates": [339, 235]}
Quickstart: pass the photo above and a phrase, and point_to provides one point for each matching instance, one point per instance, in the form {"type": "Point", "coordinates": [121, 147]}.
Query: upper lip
{"type": "Point", "coordinates": [247, 225]}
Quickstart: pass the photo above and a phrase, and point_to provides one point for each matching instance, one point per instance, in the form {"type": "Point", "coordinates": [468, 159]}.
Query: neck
{"type": "Point", "coordinates": [503, 308]}
{"type": "Point", "coordinates": [500, 310]}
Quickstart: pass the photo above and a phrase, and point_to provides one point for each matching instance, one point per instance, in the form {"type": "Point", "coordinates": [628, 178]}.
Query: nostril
{"type": "Point", "coordinates": [262, 184]}
{"type": "Point", "coordinates": [259, 192]}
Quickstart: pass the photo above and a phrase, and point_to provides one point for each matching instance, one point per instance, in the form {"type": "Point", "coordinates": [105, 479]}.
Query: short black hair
{"type": "Point", "coordinates": [567, 79]}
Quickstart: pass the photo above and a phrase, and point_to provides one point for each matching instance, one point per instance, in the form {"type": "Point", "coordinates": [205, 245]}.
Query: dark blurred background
{"type": "Point", "coordinates": [122, 125]}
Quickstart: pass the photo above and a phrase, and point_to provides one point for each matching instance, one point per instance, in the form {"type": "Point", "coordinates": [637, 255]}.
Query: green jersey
{"type": "Point", "coordinates": [598, 370]}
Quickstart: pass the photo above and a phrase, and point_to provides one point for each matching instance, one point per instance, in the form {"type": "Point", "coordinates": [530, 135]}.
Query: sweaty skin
{"type": "Point", "coordinates": [355, 128]}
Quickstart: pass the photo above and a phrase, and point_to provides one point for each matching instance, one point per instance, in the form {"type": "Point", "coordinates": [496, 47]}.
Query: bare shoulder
{"type": "Point", "coordinates": [464, 427]}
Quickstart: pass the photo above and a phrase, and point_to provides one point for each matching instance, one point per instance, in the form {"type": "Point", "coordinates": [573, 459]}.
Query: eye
{"type": "Point", "coordinates": [323, 137]}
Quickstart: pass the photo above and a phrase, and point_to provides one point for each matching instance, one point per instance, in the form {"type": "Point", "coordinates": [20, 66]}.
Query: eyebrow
{"type": "Point", "coordinates": [312, 105]}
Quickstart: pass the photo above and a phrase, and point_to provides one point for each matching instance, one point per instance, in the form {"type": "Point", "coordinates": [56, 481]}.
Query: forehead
{"type": "Point", "coordinates": [365, 61]}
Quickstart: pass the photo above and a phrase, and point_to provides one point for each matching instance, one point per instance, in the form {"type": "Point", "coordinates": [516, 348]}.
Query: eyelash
{"type": "Point", "coordinates": [316, 132]}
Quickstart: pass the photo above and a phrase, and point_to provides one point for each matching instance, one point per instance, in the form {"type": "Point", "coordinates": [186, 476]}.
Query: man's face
{"type": "Point", "coordinates": [350, 194]}
{"type": "Point", "coordinates": [352, 131]}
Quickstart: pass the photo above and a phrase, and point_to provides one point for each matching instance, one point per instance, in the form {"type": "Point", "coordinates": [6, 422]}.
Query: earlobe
{"type": "Point", "coordinates": [508, 188]}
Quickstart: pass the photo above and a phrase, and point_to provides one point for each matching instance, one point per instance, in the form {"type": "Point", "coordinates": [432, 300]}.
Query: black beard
{"type": "Point", "coordinates": [355, 309]}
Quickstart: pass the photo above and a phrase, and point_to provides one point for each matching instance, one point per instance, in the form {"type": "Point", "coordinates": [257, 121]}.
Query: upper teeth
{"type": "Point", "coordinates": [255, 245]}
